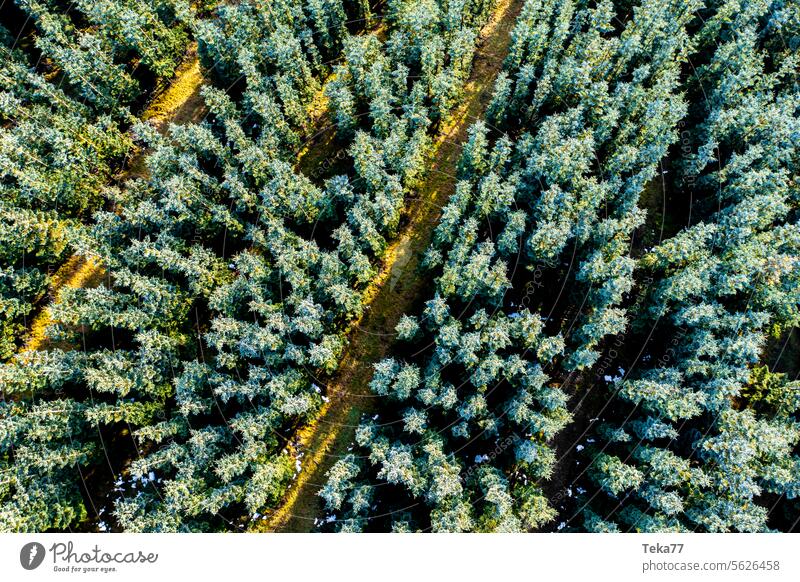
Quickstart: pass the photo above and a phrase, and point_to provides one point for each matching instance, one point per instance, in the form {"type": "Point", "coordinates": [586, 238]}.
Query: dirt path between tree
{"type": "Point", "coordinates": [77, 272]}
{"type": "Point", "coordinates": [396, 290]}
{"type": "Point", "coordinates": [180, 103]}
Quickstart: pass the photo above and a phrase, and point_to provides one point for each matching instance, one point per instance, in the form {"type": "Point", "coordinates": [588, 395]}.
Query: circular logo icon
{"type": "Point", "coordinates": [31, 555]}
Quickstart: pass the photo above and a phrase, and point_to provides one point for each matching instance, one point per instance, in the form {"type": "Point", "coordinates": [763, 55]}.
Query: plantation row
{"type": "Point", "coordinates": [231, 275]}
{"type": "Point", "coordinates": [71, 74]}
{"type": "Point", "coordinates": [545, 290]}
{"type": "Point", "coordinates": [709, 446]}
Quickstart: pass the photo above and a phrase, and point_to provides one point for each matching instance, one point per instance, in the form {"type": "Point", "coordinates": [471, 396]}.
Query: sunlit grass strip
{"type": "Point", "coordinates": [76, 273]}
{"type": "Point", "coordinates": [185, 86]}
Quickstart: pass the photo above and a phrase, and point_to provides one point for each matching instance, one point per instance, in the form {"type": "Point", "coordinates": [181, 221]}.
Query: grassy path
{"type": "Point", "coordinates": [181, 102]}
{"type": "Point", "coordinates": [77, 272]}
{"type": "Point", "coordinates": [395, 291]}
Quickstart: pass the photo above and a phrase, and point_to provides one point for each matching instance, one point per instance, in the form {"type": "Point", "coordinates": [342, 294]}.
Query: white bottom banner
{"type": "Point", "coordinates": [390, 557]}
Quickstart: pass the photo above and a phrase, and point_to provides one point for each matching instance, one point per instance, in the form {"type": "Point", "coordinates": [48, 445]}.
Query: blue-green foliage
{"type": "Point", "coordinates": [592, 114]}
{"type": "Point", "coordinates": [722, 286]}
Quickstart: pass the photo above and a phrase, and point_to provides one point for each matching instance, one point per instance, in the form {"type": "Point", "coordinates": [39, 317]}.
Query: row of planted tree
{"type": "Point", "coordinates": [549, 290]}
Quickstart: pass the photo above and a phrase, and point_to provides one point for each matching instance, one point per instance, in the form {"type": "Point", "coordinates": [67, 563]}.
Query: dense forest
{"type": "Point", "coordinates": [596, 332]}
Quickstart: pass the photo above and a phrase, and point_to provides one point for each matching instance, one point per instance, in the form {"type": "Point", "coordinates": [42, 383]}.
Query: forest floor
{"type": "Point", "coordinates": [397, 289]}
{"type": "Point", "coordinates": [181, 101]}
{"type": "Point", "coordinates": [321, 148]}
